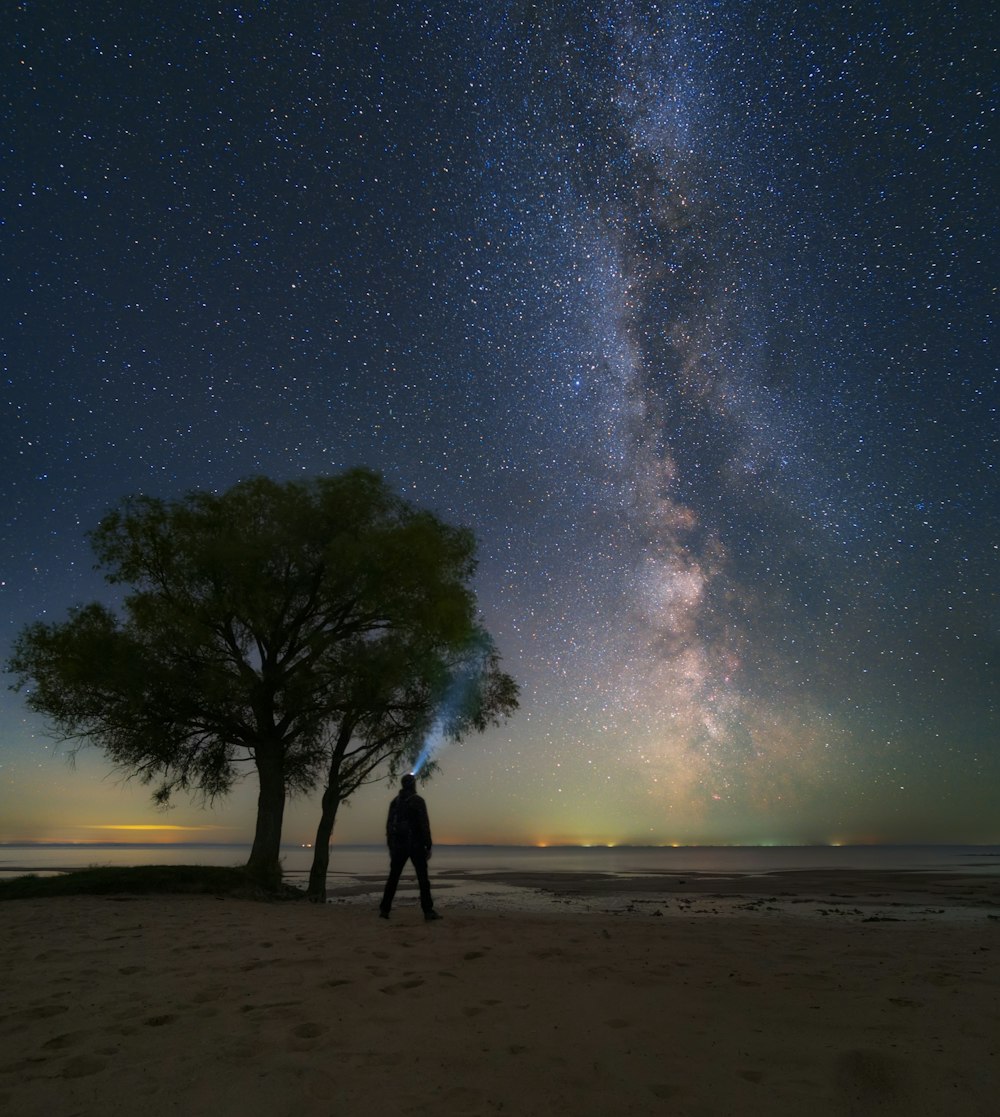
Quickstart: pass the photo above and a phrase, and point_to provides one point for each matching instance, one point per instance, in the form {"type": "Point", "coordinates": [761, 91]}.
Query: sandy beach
{"type": "Point", "coordinates": [200, 1005]}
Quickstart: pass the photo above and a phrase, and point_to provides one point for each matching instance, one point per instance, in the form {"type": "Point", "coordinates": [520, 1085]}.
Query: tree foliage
{"type": "Point", "coordinates": [257, 623]}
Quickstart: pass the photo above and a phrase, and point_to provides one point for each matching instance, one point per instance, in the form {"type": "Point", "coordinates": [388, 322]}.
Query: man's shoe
{"type": "Point", "coordinates": [432, 914]}
{"type": "Point", "coordinates": [382, 914]}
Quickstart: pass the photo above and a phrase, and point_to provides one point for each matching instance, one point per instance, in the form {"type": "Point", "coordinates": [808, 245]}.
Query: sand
{"type": "Point", "coordinates": [198, 1005]}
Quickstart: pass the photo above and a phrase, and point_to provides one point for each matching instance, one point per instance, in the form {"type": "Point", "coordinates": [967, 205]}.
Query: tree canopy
{"type": "Point", "coordinates": [259, 625]}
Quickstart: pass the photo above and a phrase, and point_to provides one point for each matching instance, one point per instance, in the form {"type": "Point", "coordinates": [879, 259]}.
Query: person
{"type": "Point", "coordinates": [408, 835]}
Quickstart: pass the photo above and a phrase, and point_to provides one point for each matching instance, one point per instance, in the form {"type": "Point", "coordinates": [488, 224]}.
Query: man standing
{"type": "Point", "coordinates": [408, 834]}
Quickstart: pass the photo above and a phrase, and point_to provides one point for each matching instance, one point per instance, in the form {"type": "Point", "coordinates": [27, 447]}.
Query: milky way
{"type": "Point", "coordinates": [684, 308]}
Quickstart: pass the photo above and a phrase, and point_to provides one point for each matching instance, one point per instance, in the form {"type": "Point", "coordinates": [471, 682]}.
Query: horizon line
{"type": "Point", "coordinates": [45, 843]}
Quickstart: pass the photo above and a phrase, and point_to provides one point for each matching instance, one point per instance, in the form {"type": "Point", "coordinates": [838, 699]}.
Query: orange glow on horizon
{"type": "Point", "coordinates": [149, 826]}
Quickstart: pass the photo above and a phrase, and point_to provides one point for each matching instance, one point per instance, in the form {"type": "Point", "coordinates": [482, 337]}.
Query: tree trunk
{"type": "Point", "coordinates": [331, 801]}
{"type": "Point", "coordinates": [321, 850]}
{"type": "Point", "coordinates": [264, 866]}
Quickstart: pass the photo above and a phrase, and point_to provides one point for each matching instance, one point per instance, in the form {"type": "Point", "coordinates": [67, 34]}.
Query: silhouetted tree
{"type": "Point", "coordinates": [244, 618]}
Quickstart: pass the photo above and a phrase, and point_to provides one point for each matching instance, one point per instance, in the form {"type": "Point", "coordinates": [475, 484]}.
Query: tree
{"type": "Point", "coordinates": [246, 614]}
{"type": "Point", "coordinates": [400, 690]}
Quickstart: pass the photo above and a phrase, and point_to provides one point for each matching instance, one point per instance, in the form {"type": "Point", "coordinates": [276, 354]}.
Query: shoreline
{"type": "Point", "coordinates": [966, 894]}
{"type": "Point", "coordinates": [868, 895]}
{"type": "Point", "coordinates": [179, 1004]}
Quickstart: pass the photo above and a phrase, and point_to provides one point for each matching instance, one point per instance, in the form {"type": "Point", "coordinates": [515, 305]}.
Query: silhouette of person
{"type": "Point", "coordinates": [408, 834]}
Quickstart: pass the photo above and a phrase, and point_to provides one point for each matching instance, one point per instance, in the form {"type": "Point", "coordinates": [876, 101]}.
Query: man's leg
{"type": "Point", "coordinates": [396, 863]}
{"type": "Point", "coordinates": [419, 860]}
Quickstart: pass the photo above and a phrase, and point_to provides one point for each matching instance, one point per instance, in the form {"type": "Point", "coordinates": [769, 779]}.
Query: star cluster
{"type": "Point", "coordinates": [684, 308]}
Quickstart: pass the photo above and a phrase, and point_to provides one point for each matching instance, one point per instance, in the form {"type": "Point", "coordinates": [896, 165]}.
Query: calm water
{"type": "Point", "coordinates": [354, 860]}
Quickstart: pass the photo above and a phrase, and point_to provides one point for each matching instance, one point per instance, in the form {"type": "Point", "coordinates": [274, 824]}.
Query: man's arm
{"type": "Point", "coordinates": [423, 825]}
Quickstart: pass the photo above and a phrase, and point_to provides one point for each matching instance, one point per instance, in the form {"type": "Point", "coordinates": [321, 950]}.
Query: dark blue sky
{"type": "Point", "coordinates": [684, 308]}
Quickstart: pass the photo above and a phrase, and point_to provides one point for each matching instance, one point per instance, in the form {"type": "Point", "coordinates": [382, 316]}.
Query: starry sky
{"type": "Point", "coordinates": [684, 308]}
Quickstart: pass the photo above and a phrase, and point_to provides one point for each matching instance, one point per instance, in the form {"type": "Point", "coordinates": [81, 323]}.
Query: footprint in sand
{"type": "Point", "coordinates": [82, 1065]}
{"type": "Point", "coordinates": [269, 1006]}
{"type": "Point", "coordinates": [67, 1039]}
{"type": "Point", "coordinates": [399, 985]}
{"type": "Point", "coordinates": [159, 1021]}
{"type": "Point", "coordinates": [475, 1010]}
{"type": "Point", "coordinates": [42, 1012]}
{"type": "Point", "coordinates": [308, 1030]}
{"type": "Point", "coordinates": [662, 1090]}
{"type": "Point", "coordinates": [600, 971]}
{"type": "Point", "coordinates": [472, 954]}
{"type": "Point", "coordinates": [210, 993]}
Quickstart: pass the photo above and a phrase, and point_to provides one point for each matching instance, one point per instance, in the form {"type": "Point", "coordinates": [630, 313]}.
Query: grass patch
{"type": "Point", "coordinates": [213, 880]}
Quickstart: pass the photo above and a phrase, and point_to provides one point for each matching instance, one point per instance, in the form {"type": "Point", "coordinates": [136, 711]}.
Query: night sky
{"type": "Point", "coordinates": [684, 308]}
